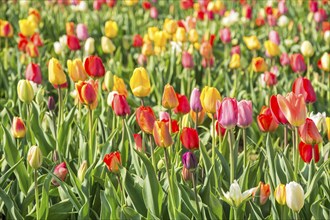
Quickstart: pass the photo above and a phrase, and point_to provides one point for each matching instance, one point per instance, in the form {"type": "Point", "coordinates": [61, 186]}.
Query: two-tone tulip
{"type": "Point", "coordinates": [304, 87]}
{"type": "Point", "coordinates": [33, 73]}
{"type": "Point", "coordinates": [87, 92]}
{"type": "Point", "coordinates": [60, 172]}
{"type": "Point", "coordinates": [113, 161]}
{"type": "Point", "coordinates": [309, 133]}
{"type": "Point", "coordinates": [140, 83]}
{"type": "Point", "coordinates": [189, 161]}
{"type": "Point", "coordinates": [76, 70]}
{"type": "Point", "coordinates": [161, 134]}
{"type": "Point", "coordinates": [18, 128]}
{"type": "Point", "coordinates": [34, 157]}
{"type": "Point", "coordinates": [272, 48]}
{"type": "Point", "coordinates": [120, 105]}
{"type": "Point", "coordinates": [276, 111]}
{"type": "Point", "coordinates": [145, 118]}
{"type": "Point", "coordinates": [170, 99]}
{"type": "Point", "coordinates": [259, 64]}
{"type": "Point", "coordinates": [297, 63]}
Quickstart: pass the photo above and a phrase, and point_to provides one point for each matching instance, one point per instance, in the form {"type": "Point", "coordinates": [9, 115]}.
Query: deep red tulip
{"type": "Point", "coordinates": [189, 138]}
{"type": "Point", "coordinates": [266, 121]}
{"type": "Point", "coordinates": [303, 86]}
{"type": "Point", "coordinates": [227, 112]}
{"type": "Point", "coordinates": [73, 42]}
{"type": "Point", "coordinates": [276, 111]}
{"type": "Point", "coordinates": [120, 105]}
{"type": "Point", "coordinates": [309, 133]}
{"type": "Point", "coordinates": [145, 118]}
{"type": "Point", "coordinates": [33, 73]}
{"type": "Point", "coordinates": [183, 107]}
{"type": "Point", "coordinates": [94, 67]}
{"type": "Point", "coordinates": [174, 125]}
{"type": "Point", "coordinates": [306, 152]}
{"type": "Point", "coordinates": [297, 63]}
{"type": "Point", "coordinates": [137, 41]}
{"type": "Point", "coordinates": [113, 161]}
{"type": "Point", "coordinates": [146, 5]}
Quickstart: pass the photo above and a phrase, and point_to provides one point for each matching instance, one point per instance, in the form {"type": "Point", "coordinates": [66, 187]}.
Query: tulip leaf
{"type": "Point", "coordinates": [64, 130]}
{"type": "Point", "coordinates": [188, 199]}
{"type": "Point", "coordinates": [318, 211]}
{"type": "Point", "coordinates": [61, 210]}
{"type": "Point", "coordinates": [316, 178]}
{"type": "Point", "coordinates": [105, 206]}
{"type": "Point", "coordinates": [279, 171]}
{"type": "Point", "coordinates": [6, 175]}
{"type": "Point", "coordinates": [10, 205]}
{"type": "Point", "coordinates": [44, 205]}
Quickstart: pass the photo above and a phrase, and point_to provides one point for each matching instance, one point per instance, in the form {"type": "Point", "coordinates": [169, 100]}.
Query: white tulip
{"type": "Point", "coordinates": [89, 46]}
{"type": "Point", "coordinates": [307, 49]}
{"type": "Point", "coordinates": [58, 47]}
{"type": "Point", "coordinates": [294, 196]}
{"type": "Point", "coordinates": [235, 197]}
{"type": "Point", "coordinates": [319, 120]}
{"type": "Point", "coordinates": [327, 36]}
{"type": "Point", "coordinates": [283, 21]}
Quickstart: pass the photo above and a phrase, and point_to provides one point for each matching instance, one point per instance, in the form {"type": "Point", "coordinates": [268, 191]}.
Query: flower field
{"type": "Point", "coordinates": [154, 109]}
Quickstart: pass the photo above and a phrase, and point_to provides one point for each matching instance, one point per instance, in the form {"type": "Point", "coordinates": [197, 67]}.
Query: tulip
{"type": "Point", "coordinates": [259, 64]}
{"type": "Point", "coordinates": [294, 194]}
{"type": "Point", "coordinates": [189, 161]}
{"type": "Point", "coordinates": [87, 91]}
{"type": "Point", "coordinates": [206, 50]}
{"type": "Point", "coordinates": [309, 133]}
{"type": "Point", "coordinates": [58, 47]}
{"type": "Point", "coordinates": [284, 59]}
{"type": "Point", "coordinates": [18, 128]}
{"type": "Point", "coordinates": [164, 116]}
{"type": "Point", "coordinates": [111, 29]}
{"type": "Point", "coordinates": [159, 39]}
{"type": "Point", "coordinates": [266, 121]}
{"type": "Point", "coordinates": [180, 34]}
{"type": "Point", "coordinates": [138, 142]}
{"type": "Point", "coordinates": [187, 60]}
{"type": "Point", "coordinates": [225, 35]}
{"type": "Point", "coordinates": [151, 33]}
{"type": "Point", "coordinates": [27, 27]}
{"type": "Point", "coordinates": [111, 97]}
{"type": "Point", "coordinates": [245, 113]}
{"type": "Point", "coordinates": [73, 42]}
{"type": "Point", "coordinates": [107, 45]}
{"type": "Point", "coordinates": [60, 171]}
{"type": "Point", "coordinates": [32, 50]}
{"type": "Point", "coordinates": [183, 107]}
{"type": "Point", "coordinates": [169, 100]}
{"type": "Point", "coordinates": [327, 36]}
{"type": "Point", "coordinates": [280, 194]}
{"type": "Point", "coordinates": [209, 98]}
{"type": "Point", "coordinates": [89, 46]}
{"type": "Point", "coordinates": [297, 63]}
{"type": "Point", "coordinates": [51, 103]}
{"type": "Point", "coordinates": [140, 83]}
{"type": "Point", "coordinates": [227, 112]}
{"type": "Point", "coordinates": [304, 87]}
{"type": "Point", "coordinates": [235, 61]}
{"type": "Point", "coordinates": [145, 118]}
{"type": "Point", "coordinates": [6, 29]}
{"type": "Point", "coordinates": [193, 36]}
{"type": "Point", "coordinates": [170, 26]}
{"type": "Point", "coordinates": [94, 67]}
{"type": "Point", "coordinates": [174, 125]}
{"type": "Point", "coordinates": [282, 7]}
{"type": "Point", "coordinates": [327, 121]}
{"type": "Point", "coordinates": [320, 15]}
{"type": "Point", "coordinates": [82, 171]}
{"type": "Point", "coordinates": [276, 111]}
{"type": "Point", "coordinates": [34, 157]}
{"type": "Point", "coordinates": [283, 21]}
{"type": "Point", "coordinates": [307, 49]}
{"type": "Point", "coordinates": [25, 91]}
{"type": "Point", "coordinates": [137, 40]}
{"type": "Point", "coordinates": [325, 61]}
{"type": "Point", "coordinates": [189, 138]}
{"type": "Point", "coordinates": [153, 12]}
{"type": "Point", "coordinates": [272, 48]}
{"type": "Point", "coordinates": [33, 73]}
{"type": "Point", "coordinates": [293, 108]}
{"type": "Point", "coordinates": [235, 197]}
{"type": "Point", "coordinates": [247, 12]}
{"type": "Point", "coordinates": [208, 62]}
{"type": "Point", "coordinates": [142, 60]}
{"type": "Point", "coordinates": [56, 74]}
{"type": "Point", "coordinates": [76, 70]}
{"type": "Point", "coordinates": [120, 105]}
{"type": "Point", "coordinates": [113, 161]}
{"type": "Point", "coordinates": [261, 193]}
{"type": "Point", "coordinates": [269, 78]}
{"type": "Point", "coordinates": [186, 174]}
{"type": "Point", "coordinates": [252, 42]}
{"type": "Point", "coordinates": [69, 27]}
{"type": "Point", "coordinates": [320, 120]}
{"type": "Point", "coordinates": [307, 154]}
{"type": "Point", "coordinates": [195, 101]}
{"type": "Point", "coordinates": [82, 32]}
{"type": "Point", "coordinates": [235, 50]}
{"type": "Point", "coordinates": [201, 116]}
{"type": "Point", "coordinates": [313, 6]}
{"type": "Point", "coordinates": [161, 134]}
{"type": "Point", "coordinates": [147, 49]}
{"type": "Point", "coordinates": [119, 86]}
{"type": "Point", "coordinates": [36, 40]}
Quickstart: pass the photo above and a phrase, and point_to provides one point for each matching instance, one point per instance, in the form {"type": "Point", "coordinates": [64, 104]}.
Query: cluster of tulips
{"type": "Point", "coordinates": [188, 116]}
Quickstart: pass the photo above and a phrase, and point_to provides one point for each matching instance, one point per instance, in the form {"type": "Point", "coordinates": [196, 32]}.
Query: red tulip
{"type": "Point", "coordinates": [304, 86]}
{"type": "Point", "coordinates": [189, 138]}
{"type": "Point", "coordinates": [146, 5]}
{"type": "Point", "coordinates": [87, 92]}
{"type": "Point", "coordinates": [137, 40]}
{"type": "Point", "coordinates": [138, 142]}
{"type": "Point", "coordinates": [60, 171]}
{"type": "Point", "coordinates": [22, 42]}
{"type": "Point", "coordinates": [186, 4]}
{"type": "Point", "coordinates": [247, 12]}
{"type": "Point", "coordinates": [306, 152]}
{"type": "Point", "coordinates": [33, 73]}
{"type": "Point", "coordinates": [145, 118]}
{"type": "Point", "coordinates": [308, 133]}
{"type": "Point", "coordinates": [297, 63]}
{"type": "Point", "coordinates": [266, 120]}
{"type": "Point", "coordinates": [183, 107]}
{"type": "Point", "coordinates": [313, 6]}
{"type": "Point", "coordinates": [113, 161]}
{"type": "Point", "coordinates": [73, 42]}
{"type": "Point", "coordinates": [227, 112]}
{"type": "Point", "coordinates": [36, 40]}
{"type": "Point", "coordinates": [276, 111]}
{"type": "Point", "coordinates": [174, 125]}
{"type": "Point", "coordinates": [120, 105]}
{"type": "Point", "coordinates": [219, 129]}
{"type": "Point", "coordinates": [94, 66]}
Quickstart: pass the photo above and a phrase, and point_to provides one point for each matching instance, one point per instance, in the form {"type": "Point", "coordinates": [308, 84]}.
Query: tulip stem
{"type": "Point", "coordinates": [232, 157]}
{"type": "Point", "coordinates": [285, 137]}
{"type": "Point", "coordinates": [235, 214]}
{"type": "Point", "coordinates": [152, 154]}
{"type": "Point", "coordinates": [36, 192]}
{"type": "Point", "coordinates": [90, 155]}
{"type": "Point", "coordinates": [196, 122]}
{"type": "Point", "coordinates": [308, 67]}
{"type": "Point", "coordinates": [208, 69]}
{"type": "Point", "coordinates": [244, 147]}
{"type": "Point", "coordinates": [296, 161]}
{"type": "Point", "coordinates": [296, 215]}
{"type": "Point", "coordinates": [167, 163]}
{"type": "Point", "coordinates": [5, 59]}
{"type": "Point", "coordinates": [28, 122]}
{"type": "Point", "coordinates": [194, 182]}
{"type": "Point", "coordinates": [59, 117]}
{"type": "Point", "coordinates": [121, 190]}
{"type": "Point", "coordinates": [213, 142]}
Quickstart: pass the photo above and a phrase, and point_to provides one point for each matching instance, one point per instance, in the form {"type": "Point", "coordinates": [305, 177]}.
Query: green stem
{"type": "Point", "coordinates": [285, 137]}
{"type": "Point", "coordinates": [244, 147]}
{"type": "Point", "coordinates": [235, 214]}
{"type": "Point", "coordinates": [296, 161]}
{"type": "Point", "coordinates": [194, 181]}
{"type": "Point", "coordinates": [196, 122]}
{"type": "Point", "coordinates": [167, 163]}
{"type": "Point", "coordinates": [5, 59]}
{"type": "Point", "coordinates": [90, 155]}
{"type": "Point", "coordinates": [213, 142]}
{"type": "Point", "coordinates": [232, 156]}
{"type": "Point", "coordinates": [152, 154]}
{"type": "Point", "coordinates": [28, 122]}
{"type": "Point", "coordinates": [308, 68]}
{"type": "Point", "coordinates": [121, 191]}
{"type": "Point", "coordinates": [296, 215]}
{"type": "Point", "coordinates": [208, 69]}
{"type": "Point", "coordinates": [59, 117]}
{"type": "Point", "coordinates": [36, 192]}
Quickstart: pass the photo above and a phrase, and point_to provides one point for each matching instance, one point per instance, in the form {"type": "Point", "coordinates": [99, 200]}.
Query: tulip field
{"type": "Point", "coordinates": [164, 109]}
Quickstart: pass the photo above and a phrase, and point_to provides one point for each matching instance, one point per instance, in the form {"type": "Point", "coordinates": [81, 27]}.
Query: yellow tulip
{"type": "Point", "coordinates": [151, 32]}
{"type": "Point", "coordinates": [279, 194]}
{"type": "Point", "coordinates": [160, 39]}
{"type": "Point", "coordinates": [209, 98]}
{"type": "Point", "coordinates": [272, 48]}
{"type": "Point", "coordinates": [327, 120]}
{"type": "Point", "coordinates": [119, 85]}
{"type": "Point", "coordinates": [111, 29]}
{"type": "Point", "coordinates": [27, 27]}
{"type": "Point", "coordinates": [252, 42]}
{"type": "Point", "coordinates": [56, 75]}
{"type": "Point", "coordinates": [131, 2]}
{"type": "Point", "coordinates": [235, 61]}
{"type": "Point", "coordinates": [76, 70]}
{"type": "Point", "coordinates": [193, 36]}
{"type": "Point", "coordinates": [180, 34]}
{"type": "Point", "coordinates": [147, 49]}
{"type": "Point", "coordinates": [107, 45]}
{"type": "Point", "coordinates": [140, 83]}
{"type": "Point", "coordinates": [170, 26]}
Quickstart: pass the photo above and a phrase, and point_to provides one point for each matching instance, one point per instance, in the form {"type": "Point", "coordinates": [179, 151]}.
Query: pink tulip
{"type": "Point", "coordinates": [235, 50]}
{"type": "Point", "coordinates": [274, 37]}
{"type": "Point", "coordinates": [297, 63]}
{"type": "Point", "coordinates": [195, 102]}
{"type": "Point", "coordinates": [284, 59]}
{"type": "Point", "coordinates": [60, 171]}
{"type": "Point", "coordinates": [82, 32]}
{"type": "Point", "coordinates": [313, 6]}
{"type": "Point", "coordinates": [282, 7]}
{"type": "Point", "coordinates": [154, 13]}
{"type": "Point", "coordinates": [225, 35]}
{"type": "Point", "coordinates": [187, 60]}
{"type": "Point", "coordinates": [227, 112]}
{"type": "Point", "coordinates": [245, 113]}
{"type": "Point", "coordinates": [164, 116]}
{"type": "Point", "coordinates": [309, 134]}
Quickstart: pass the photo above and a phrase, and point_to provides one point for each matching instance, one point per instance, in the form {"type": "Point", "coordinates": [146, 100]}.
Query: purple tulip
{"type": "Point", "coordinates": [189, 160]}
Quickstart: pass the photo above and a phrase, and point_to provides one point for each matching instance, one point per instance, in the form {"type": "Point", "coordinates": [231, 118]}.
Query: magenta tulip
{"type": "Point", "coordinates": [245, 113]}
{"type": "Point", "coordinates": [227, 112]}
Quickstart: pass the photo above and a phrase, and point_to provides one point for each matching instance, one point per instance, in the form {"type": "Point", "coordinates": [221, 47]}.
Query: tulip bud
{"type": "Point", "coordinates": [56, 74]}
{"type": "Point", "coordinates": [161, 134]}
{"type": "Point", "coordinates": [82, 171]}
{"type": "Point", "coordinates": [308, 133]}
{"type": "Point", "coordinates": [195, 102]}
{"type": "Point", "coordinates": [183, 107]}
{"type": "Point", "coordinates": [108, 80]}
{"type": "Point", "coordinates": [186, 174]}
{"type": "Point", "coordinates": [227, 112]}
{"type": "Point", "coordinates": [308, 152]}
{"type": "Point", "coordinates": [297, 63]}
{"type": "Point", "coordinates": [261, 193]}
{"type": "Point", "coordinates": [73, 42]}
{"type": "Point", "coordinates": [60, 171]}
{"type": "Point", "coordinates": [145, 118]}
{"type": "Point", "coordinates": [206, 50]}
{"type": "Point", "coordinates": [189, 161]}
{"type": "Point", "coordinates": [284, 59]}
{"type": "Point", "coordinates": [18, 128]}
{"type": "Point", "coordinates": [89, 46]}
{"type": "Point", "coordinates": [235, 61]}
{"type": "Point", "coordinates": [283, 21]}
{"type": "Point", "coordinates": [189, 139]}
{"type": "Point", "coordinates": [33, 73]}
{"type": "Point", "coordinates": [111, 29]}
{"type": "Point", "coordinates": [325, 61]}
{"type": "Point", "coordinates": [280, 194]}
{"type": "Point", "coordinates": [113, 161]}
{"type": "Point", "coordinates": [119, 86]}
{"type": "Point", "coordinates": [225, 35]}
{"type": "Point", "coordinates": [25, 91]}
{"type": "Point", "coordinates": [107, 45]}
{"type": "Point", "coordinates": [154, 13]}
{"type": "Point", "coordinates": [76, 70]}
{"type": "Point", "coordinates": [82, 32]}
{"type": "Point", "coordinates": [245, 113]}
{"type": "Point", "coordinates": [307, 49]}
{"type": "Point", "coordinates": [27, 27]}
{"type": "Point", "coordinates": [58, 48]}
{"type": "Point", "coordinates": [140, 83]}
{"type": "Point", "coordinates": [169, 100]}
{"type": "Point", "coordinates": [294, 194]}
{"type": "Point", "coordinates": [34, 157]}
{"type": "Point", "coordinates": [51, 103]}
{"type": "Point", "coordinates": [87, 91]}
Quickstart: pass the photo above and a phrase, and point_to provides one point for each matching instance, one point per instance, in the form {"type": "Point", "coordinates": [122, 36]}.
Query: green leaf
{"type": "Point", "coordinates": [10, 205]}
{"type": "Point", "coordinates": [6, 175]}
{"type": "Point", "coordinates": [318, 211]}
{"type": "Point", "coordinates": [316, 178]}
{"type": "Point", "coordinates": [64, 130]}
{"type": "Point", "coordinates": [61, 210]}
{"type": "Point", "coordinates": [44, 205]}
{"type": "Point", "coordinates": [105, 206]}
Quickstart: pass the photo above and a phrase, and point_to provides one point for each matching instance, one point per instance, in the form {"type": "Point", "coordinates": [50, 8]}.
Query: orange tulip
{"type": "Point", "coordinates": [259, 65]}
{"type": "Point", "coordinates": [87, 91]}
{"type": "Point", "coordinates": [161, 134]}
{"type": "Point", "coordinates": [170, 100]}
{"type": "Point", "coordinates": [119, 86]}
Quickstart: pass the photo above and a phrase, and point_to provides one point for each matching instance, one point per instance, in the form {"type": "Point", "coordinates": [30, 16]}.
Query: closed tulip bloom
{"type": "Point", "coordinates": [294, 196]}
{"type": "Point", "coordinates": [89, 46]}
{"type": "Point", "coordinates": [189, 161]}
{"type": "Point", "coordinates": [209, 98]}
{"type": "Point", "coordinates": [274, 37]}
{"type": "Point", "coordinates": [6, 29]}
{"type": "Point", "coordinates": [189, 138]}
{"type": "Point", "coordinates": [107, 45]}
{"type": "Point", "coordinates": [225, 35]}
{"type": "Point", "coordinates": [145, 118]}
{"type": "Point", "coordinates": [76, 70]}
{"type": "Point", "coordinates": [147, 49]}
{"type": "Point", "coordinates": [247, 11]}
{"type": "Point", "coordinates": [297, 63]}
{"type": "Point", "coordinates": [161, 134]}
{"type": "Point", "coordinates": [259, 65]}
{"type": "Point", "coordinates": [276, 111]}
{"type": "Point", "coordinates": [180, 34]}
{"type": "Point", "coordinates": [169, 100]}
{"type": "Point", "coordinates": [138, 142]}
{"type": "Point", "coordinates": [307, 154]}
{"type": "Point", "coordinates": [206, 50]}
{"type": "Point", "coordinates": [235, 50]}
{"type": "Point", "coordinates": [153, 12]}
{"type": "Point", "coordinates": [58, 48]}
{"type": "Point", "coordinates": [32, 50]}
{"type": "Point", "coordinates": [27, 27]}
{"type": "Point", "coordinates": [60, 171]}
{"type": "Point", "coordinates": [245, 113]}
{"type": "Point", "coordinates": [87, 92]}
{"type": "Point", "coordinates": [94, 67]}
{"type": "Point", "coordinates": [272, 48]}
{"type": "Point", "coordinates": [195, 101]}
{"type": "Point", "coordinates": [261, 193]}
{"type": "Point", "coordinates": [119, 86]}
{"type": "Point", "coordinates": [82, 171]}
{"type": "Point", "coordinates": [235, 61]}
{"type": "Point", "coordinates": [34, 157]}
{"type": "Point", "coordinates": [33, 73]}
{"type": "Point", "coordinates": [51, 103]}
{"type": "Point", "coordinates": [73, 42]}
{"type": "Point", "coordinates": [140, 83]}
{"type": "Point", "coordinates": [69, 27]}
{"type": "Point", "coordinates": [82, 32]}
{"type": "Point", "coordinates": [187, 60]}
{"type": "Point", "coordinates": [266, 121]}
{"type": "Point", "coordinates": [111, 29]}
{"type": "Point", "coordinates": [160, 39]}
{"type": "Point", "coordinates": [293, 107]}
{"type": "Point", "coordinates": [313, 6]}
{"type": "Point", "coordinates": [25, 91]}
{"type": "Point", "coordinates": [280, 194]}
{"type": "Point", "coordinates": [113, 161]}
{"type": "Point", "coordinates": [304, 87]}
{"type": "Point", "coordinates": [18, 128]}
{"type": "Point", "coordinates": [174, 125]}
{"type": "Point", "coordinates": [183, 107]}
{"type": "Point", "coordinates": [137, 40]}
{"type": "Point", "coordinates": [193, 36]}
{"type": "Point", "coordinates": [186, 174]}
{"type": "Point", "coordinates": [285, 59]}
{"type": "Point", "coordinates": [227, 112]}
{"type": "Point", "coordinates": [120, 105]}
{"type": "Point", "coordinates": [309, 133]}
{"type": "Point", "coordinates": [269, 78]}
{"type": "Point", "coordinates": [252, 42]}
{"type": "Point", "coordinates": [56, 74]}
{"type": "Point", "coordinates": [325, 62]}
{"type": "Point", "coordinates": [307, 49]}
{"type": "Point", "coordinates": [170, 26]}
